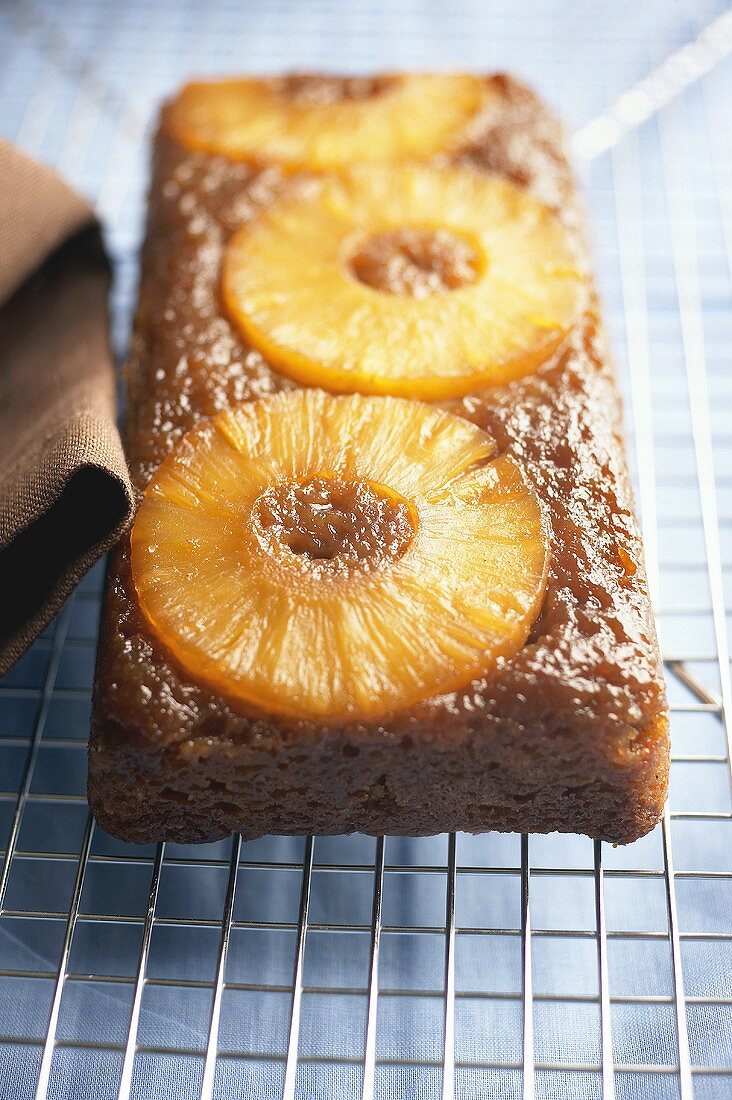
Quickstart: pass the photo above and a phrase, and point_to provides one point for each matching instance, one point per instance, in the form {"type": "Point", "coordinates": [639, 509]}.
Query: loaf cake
{"type": "Point", "coordinates": [385, 574]}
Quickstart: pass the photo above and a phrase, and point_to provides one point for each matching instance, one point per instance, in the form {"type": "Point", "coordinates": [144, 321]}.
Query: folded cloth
{"type": "Point", "coordinates": [65, 494]}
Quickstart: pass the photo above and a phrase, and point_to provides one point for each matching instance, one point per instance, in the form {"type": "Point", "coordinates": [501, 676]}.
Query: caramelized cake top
{"type": "Point", "coordinates": [592, 648]}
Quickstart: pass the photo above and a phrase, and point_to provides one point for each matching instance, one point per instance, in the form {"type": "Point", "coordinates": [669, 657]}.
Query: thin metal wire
{"type": "Point", "coordinates": [288, 1091]}
{"type": "Point", "coordinates": [606, 1037]}
{"type": "Point", "coordinates": [527, 996]}
{"type": "Point", "coordinates": [212, 1046]}
{"type": "Point", "coordinates": [624, 161]}
{"type": "Point", "coordinates": [362, 991]}
{"type": "Point", "coordinates": [627, 197]}
{"type": "Point", "coordinates": [683, 245]}
{"type": "Point", "coordinates": [448, 1048]}
{"type": "Point", "coordinates": [557, 1067]}
{"type": "Point", "coordinates": [44, 1072]}
{"type": "Point", "coordinates": [683, 250]}
{"type": "Point", "coordinates": [125, 1082]}
{"type": "Point", "coordinates": [369, 1060]}
{"type": "Point", "coordinates": [394, 929]}
{"type": "Point", "coordinates": [681, 672]}
{"type": "Point", "coordinates": [668, 80]}
{"type": "Point", "coordinates": [687, 1088]}
{"type": "Point", "coordinates": [467, 869]}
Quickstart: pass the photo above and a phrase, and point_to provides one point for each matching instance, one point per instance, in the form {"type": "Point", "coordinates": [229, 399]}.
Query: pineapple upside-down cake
{"type": "Point", "coordinates": [385, 574]}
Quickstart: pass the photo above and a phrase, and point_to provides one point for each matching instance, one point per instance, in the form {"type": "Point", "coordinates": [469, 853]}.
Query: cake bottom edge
{"type": "Point", "coordinates": [592, 821]}
{"type": "Point", "coordinates": [173, 795]}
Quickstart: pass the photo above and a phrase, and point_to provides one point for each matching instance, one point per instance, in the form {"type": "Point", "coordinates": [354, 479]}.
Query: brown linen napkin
{"type": "Point", "coordinates": [65, 494]}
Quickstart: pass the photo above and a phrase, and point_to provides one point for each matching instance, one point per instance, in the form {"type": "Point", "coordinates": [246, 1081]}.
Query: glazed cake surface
{"type": "Point", "coordinates": [568, 734]}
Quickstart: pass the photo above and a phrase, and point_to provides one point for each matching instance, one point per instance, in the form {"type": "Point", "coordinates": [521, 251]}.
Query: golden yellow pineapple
{"type": "Point", "coordinates": [337, 558]}
{"type": "Point", "coordinates": [412, 281]}
{"type": "Point", "coordinates": [321, 123]}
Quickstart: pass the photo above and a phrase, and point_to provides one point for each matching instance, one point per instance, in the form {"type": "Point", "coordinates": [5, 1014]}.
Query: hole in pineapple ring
{"type": "Point", "coordinates": [320, 91]}
{"type": "Point", "coordinates": [337, 522]}
{"type": "Point", "coordinates": [415, 263]}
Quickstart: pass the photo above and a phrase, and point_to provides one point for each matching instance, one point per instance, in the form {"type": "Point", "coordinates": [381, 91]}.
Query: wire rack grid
{"type": "Point", "coordinates": [496, 965]}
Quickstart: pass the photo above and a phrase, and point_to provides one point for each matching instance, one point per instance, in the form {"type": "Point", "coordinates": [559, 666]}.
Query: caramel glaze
{"type": "Point", "coordinates": [570, 733]}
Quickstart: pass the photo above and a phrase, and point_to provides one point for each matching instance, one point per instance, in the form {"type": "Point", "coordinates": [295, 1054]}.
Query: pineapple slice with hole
{"type": "Point", "coordinates": [411, 281]}
{"type": "Point", "coordinates": [338, 558]}
{"type": "Point", "coordinates": [321, 123]}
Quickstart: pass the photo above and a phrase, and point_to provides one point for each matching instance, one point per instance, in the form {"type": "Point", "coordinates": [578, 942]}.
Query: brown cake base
{"type": "Point", "coordinates": [569, 734]}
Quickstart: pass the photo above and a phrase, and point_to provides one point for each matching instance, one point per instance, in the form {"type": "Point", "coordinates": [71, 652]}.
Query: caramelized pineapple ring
{"type": "Point", "coordinates": [322, 123]}
{"type": "Point", "coordinates": [412, 281]}
{"type": "Point", "coordinates": [338, 558]}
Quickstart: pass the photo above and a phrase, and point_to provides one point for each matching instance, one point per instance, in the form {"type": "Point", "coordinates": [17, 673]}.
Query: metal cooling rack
{"type": "Point", "coordinates": [499, 966]}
